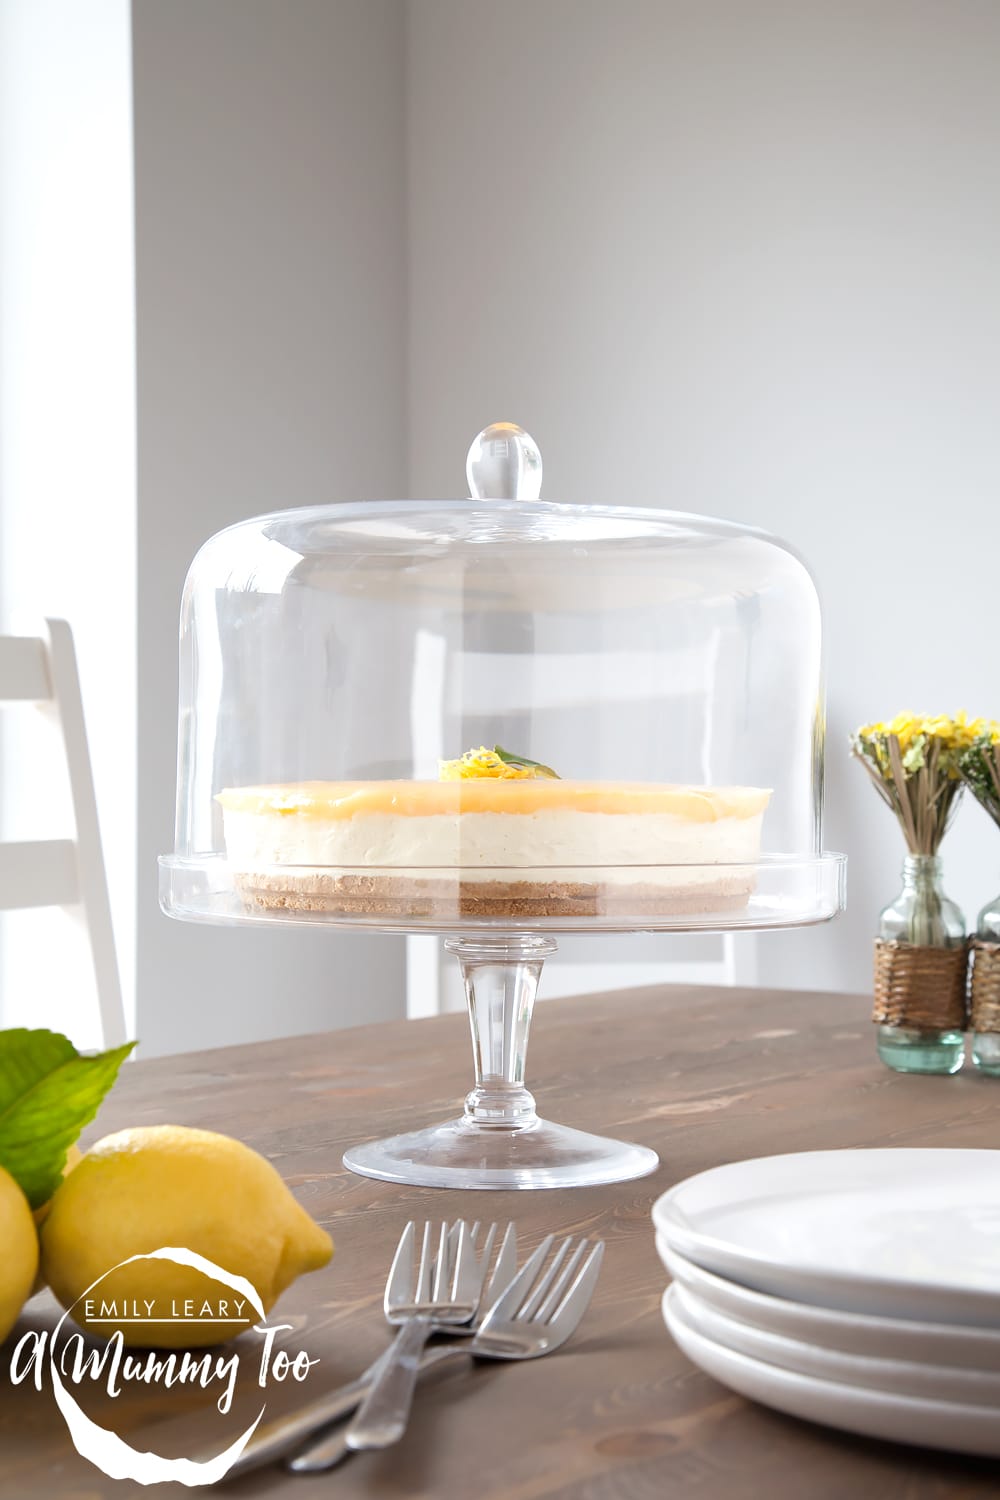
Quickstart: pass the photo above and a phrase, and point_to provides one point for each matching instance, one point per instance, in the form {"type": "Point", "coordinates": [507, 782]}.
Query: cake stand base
{"type": "Point", "coordinates": [466, 1154]}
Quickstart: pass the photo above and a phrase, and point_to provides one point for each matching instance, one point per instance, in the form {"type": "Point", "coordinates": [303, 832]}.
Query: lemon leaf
{"type": "Point", "coordinates": [48, 1092]}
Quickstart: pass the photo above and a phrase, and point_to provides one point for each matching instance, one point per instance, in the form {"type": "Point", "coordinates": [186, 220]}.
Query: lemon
{"type": "Point", "coordinates": [73, 1156]}
{"type": "Point", "coordinates": [162, 1186]}
{"type": "Point", "coordinates": [19, 1257]}
{"type": "Point", "coordinates": [40, 1214]}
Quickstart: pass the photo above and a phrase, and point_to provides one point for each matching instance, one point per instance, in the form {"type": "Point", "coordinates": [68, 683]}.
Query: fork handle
{"type": "Point", "coordinates": [317, 1454]}
{"type": "Point", "coordinates": [286, 1434]}
{"type": "Point", "coordinates": [273, 1440]}
{"type": "Point", "coordinates": [381, 1419]}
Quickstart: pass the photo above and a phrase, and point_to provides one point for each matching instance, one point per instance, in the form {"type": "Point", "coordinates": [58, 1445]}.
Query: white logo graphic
{"type": "Point", "coordinates": [106, 1449]}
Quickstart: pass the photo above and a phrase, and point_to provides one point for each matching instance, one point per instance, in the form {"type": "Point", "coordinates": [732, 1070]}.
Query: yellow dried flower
{"type": "Point", "coordinates": [914, 761]}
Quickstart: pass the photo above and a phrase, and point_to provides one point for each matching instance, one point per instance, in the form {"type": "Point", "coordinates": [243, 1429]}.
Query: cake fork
{"type": "Point", "coordinates": [537, 1313]}
{"type": "Point", "coordinates": [284, 1434]}
{"type": "Point", "coordinates": [445, 1294]}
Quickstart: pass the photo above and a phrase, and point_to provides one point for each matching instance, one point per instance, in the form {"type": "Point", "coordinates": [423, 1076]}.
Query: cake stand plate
{"type": "Point", "coordinates": [465, 1154]}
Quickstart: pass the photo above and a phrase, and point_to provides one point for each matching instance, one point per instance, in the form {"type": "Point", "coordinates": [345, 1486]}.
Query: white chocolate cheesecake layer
{"type": "Point", "coordinates": [555, 831]}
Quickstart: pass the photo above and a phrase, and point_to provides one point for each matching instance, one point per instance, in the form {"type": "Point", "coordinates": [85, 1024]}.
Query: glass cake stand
{"type": "Point", "coordinates": [499, 1141]}
{"type": "Point", "coordinates": [641, 651]}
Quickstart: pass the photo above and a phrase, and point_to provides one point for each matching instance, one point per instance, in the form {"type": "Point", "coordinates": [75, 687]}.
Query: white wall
{"type": "Point", "coordinates": [736, 256]}
{"type": "Point", "coordinates": [739, 257]}
{"type": "Point", "coordinates": [271, 349]}
{"type": "Point", "coordinates": [67, 458]}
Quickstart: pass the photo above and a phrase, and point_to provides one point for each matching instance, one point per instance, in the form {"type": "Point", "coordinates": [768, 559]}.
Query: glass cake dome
{"type": "Point", "coordinates": [500, 719]}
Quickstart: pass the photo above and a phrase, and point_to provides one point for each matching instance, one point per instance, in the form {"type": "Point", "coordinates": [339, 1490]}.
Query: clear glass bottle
{"type": "Point", "coordinates": [922, 915]}
{"type": "Point", "coordinates": [986, 1044]}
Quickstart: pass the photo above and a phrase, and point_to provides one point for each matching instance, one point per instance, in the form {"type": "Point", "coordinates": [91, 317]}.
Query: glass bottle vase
{"type": "Point", "coordinates": [986, 1044]}
{"type": "Point", "coordinates": [922, 916]}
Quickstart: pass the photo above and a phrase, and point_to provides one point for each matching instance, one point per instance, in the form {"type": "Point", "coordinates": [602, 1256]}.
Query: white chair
{"type": "Point", "coordinates": [68, 873]}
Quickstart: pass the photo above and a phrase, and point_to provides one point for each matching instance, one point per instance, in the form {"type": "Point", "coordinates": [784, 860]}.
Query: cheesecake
{"type": "Point", "coordinates": [519, 842]}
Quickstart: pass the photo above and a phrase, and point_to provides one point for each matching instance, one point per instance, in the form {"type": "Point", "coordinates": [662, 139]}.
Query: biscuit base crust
{"type": "Point", "coordinates": [405, 896]}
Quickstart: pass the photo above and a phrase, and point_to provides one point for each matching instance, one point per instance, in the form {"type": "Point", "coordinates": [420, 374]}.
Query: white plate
{"type": "Point", "coordinates": [899, 1233]}
{"type": "Point", "coordinates": [852, 1333]}
{"type": "Point", "coordinates": [902, 1419]}
{"type": "Point", "coordinates": [897, 1377]}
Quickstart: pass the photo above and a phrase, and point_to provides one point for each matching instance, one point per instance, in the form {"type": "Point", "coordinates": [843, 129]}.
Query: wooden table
{"type": "Point", "coordinates": [704, 1076]}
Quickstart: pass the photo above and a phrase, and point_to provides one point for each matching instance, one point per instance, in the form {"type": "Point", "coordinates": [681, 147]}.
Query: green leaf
{"type": "Point", "coordinates": [48, 1092]}
{"type": "Point", "coordinates": [509, 759]}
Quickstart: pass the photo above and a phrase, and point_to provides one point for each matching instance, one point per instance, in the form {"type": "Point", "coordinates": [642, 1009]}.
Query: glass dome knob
{"type": "Point", "coordinates": [504, 464]}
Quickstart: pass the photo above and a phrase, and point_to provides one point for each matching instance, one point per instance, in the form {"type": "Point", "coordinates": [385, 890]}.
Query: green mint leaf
{"type": "Point", "coordinates": [48, 1092]}
{"type": "Point", "coordinates": [509, 759]}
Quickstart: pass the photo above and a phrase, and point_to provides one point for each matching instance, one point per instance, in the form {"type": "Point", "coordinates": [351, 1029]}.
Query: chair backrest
{"type": "Point", "coordinates": [68, 873]}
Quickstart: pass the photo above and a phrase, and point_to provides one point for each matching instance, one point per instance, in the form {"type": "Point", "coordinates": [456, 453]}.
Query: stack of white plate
{"type": "Point", "coordinates": [860, 1289]}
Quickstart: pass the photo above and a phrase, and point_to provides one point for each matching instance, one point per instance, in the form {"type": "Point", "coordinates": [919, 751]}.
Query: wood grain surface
{"type": "Point", "coordinates": [702, 1075]}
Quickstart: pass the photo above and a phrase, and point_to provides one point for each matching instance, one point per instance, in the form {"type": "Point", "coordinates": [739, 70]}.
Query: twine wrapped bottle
{"type": "Point", "coordinates": [980, 767]}
{"type": "Point", "coordinates": [920, 975]}
{"type": "Point", "coordinates": [985, 991]}
{"type": "Point", "coordinates": [921, 957]}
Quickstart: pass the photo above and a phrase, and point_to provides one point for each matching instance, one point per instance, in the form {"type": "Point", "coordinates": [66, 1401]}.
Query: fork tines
{"type": "Point", "coordinates": [539, 1296]}
{"type": "Point", "coordinates": [450, 1265]}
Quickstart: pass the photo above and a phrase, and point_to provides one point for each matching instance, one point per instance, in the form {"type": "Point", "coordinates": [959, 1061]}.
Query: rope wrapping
{"type": "Point", "coordinates": [985, 986]}
{"type": "Point", "coordinates": [922, 987]}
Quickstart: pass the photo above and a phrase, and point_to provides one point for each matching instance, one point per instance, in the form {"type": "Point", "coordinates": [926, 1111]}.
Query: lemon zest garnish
{"type": "Point", "coordinates": [496, 765]}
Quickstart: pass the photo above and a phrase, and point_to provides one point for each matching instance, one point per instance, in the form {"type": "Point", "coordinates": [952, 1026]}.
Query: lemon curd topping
{"type": "Point", "coordinates": [342, 800]}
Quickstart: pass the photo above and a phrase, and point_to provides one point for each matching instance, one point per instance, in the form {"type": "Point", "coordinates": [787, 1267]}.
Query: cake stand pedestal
{"type": "Point", "coordinates": [500, 1141]}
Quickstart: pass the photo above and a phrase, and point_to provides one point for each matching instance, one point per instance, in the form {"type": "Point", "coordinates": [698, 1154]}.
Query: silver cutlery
{"type": "Point", "coordinates": [537, 1313]}
{"type": "Point", "coordinates": [445, 1294]}
{"type": "Point", "coordinates": [274, 1439]}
